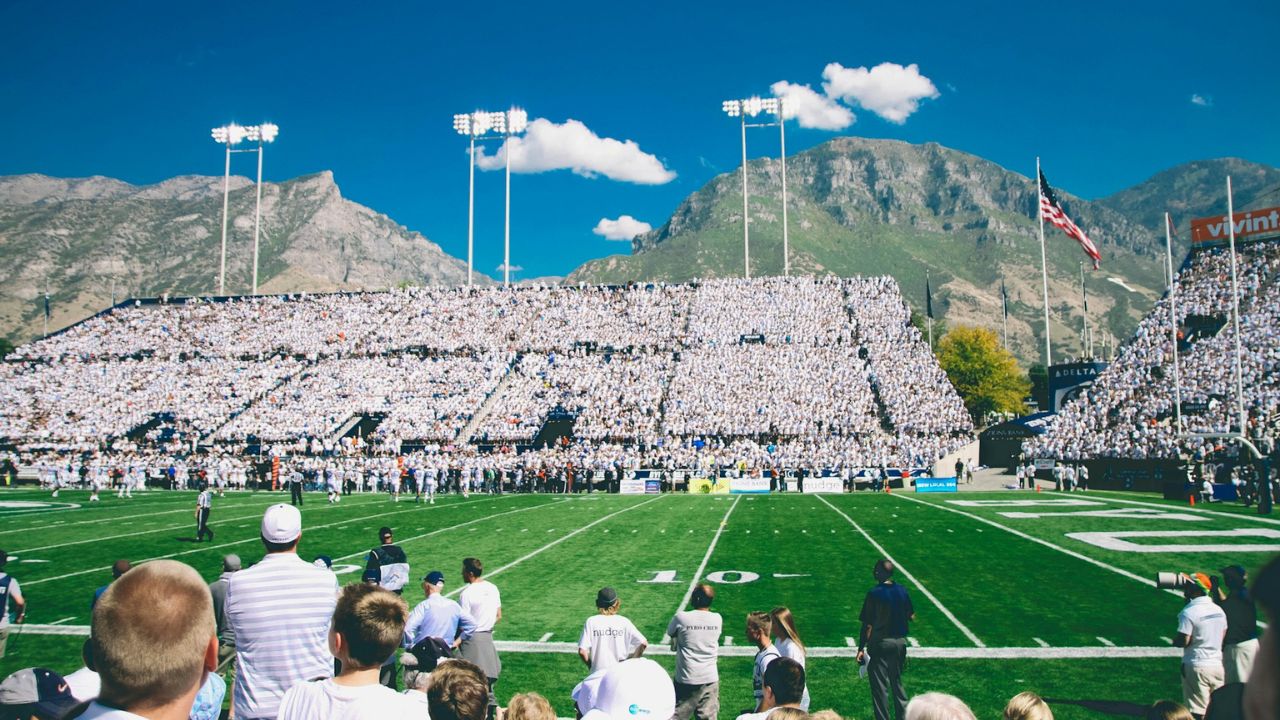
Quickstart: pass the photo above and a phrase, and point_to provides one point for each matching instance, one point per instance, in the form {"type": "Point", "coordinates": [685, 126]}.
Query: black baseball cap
{"type": "Point", "coordinates": [385, 532]}
{"type": "Point", "coordinates": [38, 690]}
{"type": "Point", "coordinates": [606, 597]}
{"type": "Point", "coordinates": [435, 577]}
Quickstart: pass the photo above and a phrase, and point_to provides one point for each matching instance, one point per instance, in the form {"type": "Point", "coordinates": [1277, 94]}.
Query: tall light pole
{"type": "Point", "coordinates": [481, 125]}
{"type": "Point", "coordinates": [743, 109]}
{"type": "Point", "coordinates": [230, 136]}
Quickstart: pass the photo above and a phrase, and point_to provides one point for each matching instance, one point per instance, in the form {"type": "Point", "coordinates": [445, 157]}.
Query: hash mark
{"type": "Point", "coordinates": [1106, 642]}
{"type": "Point", "coordinates": [913, 642]}
{"type": "Point", "coordinates": [545, 637]}
{"type": "Point", "coordinates": [728, 640]}
{"type": "Point", "coordinates": [1040, 642]}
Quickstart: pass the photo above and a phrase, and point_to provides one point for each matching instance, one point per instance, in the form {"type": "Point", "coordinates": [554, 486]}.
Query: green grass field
{"type": "Point", "coordinates": [1006, 599]}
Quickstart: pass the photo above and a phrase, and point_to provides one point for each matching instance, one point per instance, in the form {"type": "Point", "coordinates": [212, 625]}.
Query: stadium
{"type": "Point", "coordinates": [873, 428]}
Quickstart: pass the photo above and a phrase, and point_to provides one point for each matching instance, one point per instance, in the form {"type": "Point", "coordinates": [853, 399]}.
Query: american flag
{"type": "Point", "coordinates": [1050, 210]}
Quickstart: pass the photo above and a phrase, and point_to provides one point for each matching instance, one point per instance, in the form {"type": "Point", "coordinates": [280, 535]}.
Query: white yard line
{"type": "Point", "coordinates": [214, 522]}
{"type": "Point", "coordinates": [924, 590]}
{"type": "Point", "coordinates": [702, 566]}
{"type": "Point", "coordinates": [557, 541]}
{"type": "Point", "coordinates": [1104, 496]}
{"type": "Point", "coordinates": [305, 529]}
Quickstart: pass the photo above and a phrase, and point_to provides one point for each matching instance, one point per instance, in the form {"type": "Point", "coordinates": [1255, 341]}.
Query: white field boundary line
{"type": "Point", "coordinates": [125, 518]}
{"type": "Point", "coordinates": [459, 525]}
{"type": "Point", "coordinates": [697, 575]}
{"type": "Point", "coordinates": [924, 653]}
{"type": "Point", "coordinates": [305, 530]}
{"type": "Point", "coordinates": [924, 590]}
{"type": "Point", "coordinates": [1103, 496]}
{"type": "Point", "coordinates": [555, 542]}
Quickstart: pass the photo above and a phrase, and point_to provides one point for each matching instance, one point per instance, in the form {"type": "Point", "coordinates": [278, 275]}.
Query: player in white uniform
{"type": "Point", "coordinates": [332, 484]}
{"type": "Point", "coordinates": [429, 480]}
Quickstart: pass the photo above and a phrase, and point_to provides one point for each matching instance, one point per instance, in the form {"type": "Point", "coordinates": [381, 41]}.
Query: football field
{"type": "Point", "coordinates": [1013, 591]}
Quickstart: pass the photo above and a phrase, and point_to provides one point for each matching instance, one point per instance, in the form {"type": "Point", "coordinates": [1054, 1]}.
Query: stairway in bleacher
{"type": "Point", "coordinates": [360, 425]}
{"type": "Point", "coordinates": [464, 435]}
{"type": "Point", "coordinates": [139, 432]}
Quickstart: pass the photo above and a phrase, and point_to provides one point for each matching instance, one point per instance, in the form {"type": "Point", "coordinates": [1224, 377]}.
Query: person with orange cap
{"type": "Point", "coordinates": [1201, 628]}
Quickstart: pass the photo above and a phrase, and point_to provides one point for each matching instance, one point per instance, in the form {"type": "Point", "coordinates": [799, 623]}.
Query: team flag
{"type": "Point", "coordinates": [1004, 299]}
{"type": "Point", "coordinates": [1050, 210]}
{"type": "Point", "coordinates": [928, 298]}
{"type": "Point", "coordinates": [47, 314]}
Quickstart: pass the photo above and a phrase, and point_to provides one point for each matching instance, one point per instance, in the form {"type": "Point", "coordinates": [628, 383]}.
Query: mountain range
{"type": "Point", "coordinates": [855, 206]}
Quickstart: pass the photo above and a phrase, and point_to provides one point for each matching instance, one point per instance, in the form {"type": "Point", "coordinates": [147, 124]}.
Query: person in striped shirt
{"type": "Point", "coordinates": [279, 611]}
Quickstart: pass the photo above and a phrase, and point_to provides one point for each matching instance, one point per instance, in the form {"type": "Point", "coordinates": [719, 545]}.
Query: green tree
{"type": "Point", "coordinates": [985, 374]}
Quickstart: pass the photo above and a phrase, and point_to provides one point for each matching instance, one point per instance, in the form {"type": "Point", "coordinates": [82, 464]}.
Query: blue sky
{"type": "Point", "coordinates": [1103, 91]}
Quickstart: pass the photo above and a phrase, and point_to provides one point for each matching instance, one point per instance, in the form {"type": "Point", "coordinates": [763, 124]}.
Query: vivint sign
{"type": "Point", "coordinates": [1249, 226]}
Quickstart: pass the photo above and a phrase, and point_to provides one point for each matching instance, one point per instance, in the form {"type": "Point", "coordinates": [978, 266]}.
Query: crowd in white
{"type": "Point", "coordinates": [724, 372]}
{"type": "Point", "coordinates": [1128, 412]}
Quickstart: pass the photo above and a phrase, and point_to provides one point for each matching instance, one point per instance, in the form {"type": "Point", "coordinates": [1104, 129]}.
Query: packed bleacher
{"type": "Point", "coordinates": [1128, 412]}
{"type": "Point", "coordinates": [750, 374]}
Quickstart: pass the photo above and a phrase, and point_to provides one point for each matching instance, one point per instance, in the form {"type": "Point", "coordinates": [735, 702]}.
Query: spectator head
{"type": "Point", "coordinates": [937, 706]}
{"type": "Point", "coordinates": [153, 639]}
{"type": "Point", "coordinates": [1027, 706]}
{"type": "Point", "coordinates": [120, 567]}
{"type": "Point", "coordinates": [384, 534]}
{"type": "Point", "coordinates": [607, 601]}
{"type": "Point", "coordinates": [368, 625]}
{"type": "Point", "coordinates": [529, 706]}
{"type": "Point", "coordinates": [472, 568]}
{"type": "Point", "coordinates": [433, 582]}
{"type": "Point", "coordinates": [783, 683]}
{"type": "Point", "coordinates": [784, 626]}
{"type": "Point", "coordinates": [1197, 585]}
{"type": "Point", "coordinates": [1234, 577]}
{"type": "Point", "coordinates": [759, 625]}
{"type": "Point", "coordinates": [281, 528]}
{"type": "Point", "coordinates": [1167, 710]}
{"type": "Point", "coordinates": [703, 596]}
{"type": "Point", "coordinates": [459, 691]}
{"type": "Point", "coordinates": [231, 563]}
{"type": "Point", "coordinates": [825, 715]}
{"type": "Point", "coordinates": [633, 688]}
{"type": "Point", "coordinates": [790, 713]}
{"type": "Point", "coordinates": [35, 693]}
{"type": "Point", "coordinates": [883, 570]}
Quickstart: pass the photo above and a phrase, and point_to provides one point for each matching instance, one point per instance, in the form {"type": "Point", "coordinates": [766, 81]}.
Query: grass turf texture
{"type": "Point", "coordinates": [996, 581]}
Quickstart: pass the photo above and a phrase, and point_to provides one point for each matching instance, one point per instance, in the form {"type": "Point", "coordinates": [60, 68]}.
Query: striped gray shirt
{"type": "Point", "coordinates": [280, 611]}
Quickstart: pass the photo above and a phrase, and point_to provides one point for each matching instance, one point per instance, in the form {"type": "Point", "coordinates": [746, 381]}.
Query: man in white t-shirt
{"type": "Point", "coordinates": [607, 637]}
{"type": "Point", "coordinates": [1201, 628]}
{"type": "Point", "coordinates": [695, 636]}
{"type": "Point", "coordinates": [368, 624]}
{"type": "Point", "coordinates": [481, 600]}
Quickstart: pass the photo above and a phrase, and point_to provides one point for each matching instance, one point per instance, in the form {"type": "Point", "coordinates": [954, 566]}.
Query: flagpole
{"type": "Point", "coordinates": [46, 307]}
{"type": "Point", "coordinates": [1004, 312]}
{"type": "Point", "coordinates": [1173, 325]}
{"type": "Point", "coordinates": [1044, 272]}
{"type": "Point", "coordinates": [928, 321]}
{"type": "Point", "coordinates": [1235, 308]}
{"type": "Point", "coordinates": [1085, 350]}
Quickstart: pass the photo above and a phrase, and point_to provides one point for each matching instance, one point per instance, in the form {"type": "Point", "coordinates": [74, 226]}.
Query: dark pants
{"type": "Point", "coordinates": [885, 673]}
{"type": "Point", "coordinates": [295, 493]}
{"type": "Point", "coordinates": [202, 525]}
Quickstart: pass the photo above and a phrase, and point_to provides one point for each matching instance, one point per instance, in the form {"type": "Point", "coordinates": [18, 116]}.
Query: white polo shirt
{"type": "Point", "coordinates": [279, 611]}
{"type": "Point", "coordinates": [1204, 623]}
{"type": "Point", "coordinates": [481, 600]}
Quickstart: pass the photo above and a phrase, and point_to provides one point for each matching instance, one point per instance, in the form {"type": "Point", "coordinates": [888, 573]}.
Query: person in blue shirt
{"type": "Point", "coordinates": [885, 613]}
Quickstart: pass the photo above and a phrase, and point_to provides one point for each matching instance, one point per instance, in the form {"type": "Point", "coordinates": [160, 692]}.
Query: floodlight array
{"type": "Point", "coordinates": [752, 106]}
{"type": "Point", "coordinates": [478, 123]}
{"type": "Point", "coordinates": [234, 134]}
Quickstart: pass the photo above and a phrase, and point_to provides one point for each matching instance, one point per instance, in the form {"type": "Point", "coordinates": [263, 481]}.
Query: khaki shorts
{"type": "Point", "coordinates": [697, 701]}
{"type": "Point", "coordinates": [1237, 660]}
{"type": "Point", "coordinates": [1198, 682]}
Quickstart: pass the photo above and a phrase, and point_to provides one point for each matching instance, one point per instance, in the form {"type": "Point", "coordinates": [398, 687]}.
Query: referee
{"type": "Point", "coordinates": [204, 504]}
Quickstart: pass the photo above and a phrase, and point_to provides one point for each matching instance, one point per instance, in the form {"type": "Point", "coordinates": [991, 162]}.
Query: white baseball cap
{"type": "Point", "coordinates": [636, 689]}
{"type": "Point", "coordinates": [281, 524]}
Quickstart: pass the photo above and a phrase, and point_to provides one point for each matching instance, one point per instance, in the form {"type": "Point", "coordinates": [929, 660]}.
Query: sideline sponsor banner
{"type": "Point", "coordinates": [936, 485]}
{"type": "Point", "coordinates": [823, 485]}
{"type": "Point", "coordinates": [749, 486]}
{"type": "Point", "coordinates": [652, 487]}
{"type": "Point", "coordinates": [1250, 225]}
{"type": "Point", "coordinates": [708, 486]}
{"type": "Point", "coordinates": [1045, 463]}
{"type": "Point", "coordinates": [631, 486]}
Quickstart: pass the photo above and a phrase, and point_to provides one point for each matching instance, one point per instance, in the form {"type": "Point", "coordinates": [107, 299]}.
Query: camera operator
{"type": "Point", "coordinates": [1201, 628]}
{"type": "Point", "coordinates": [1241, 642]}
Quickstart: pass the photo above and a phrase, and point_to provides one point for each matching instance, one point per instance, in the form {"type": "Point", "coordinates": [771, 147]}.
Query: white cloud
{"type": "Point", "coordinates": [573, 146]}
{"type": "Point", "coordinates": [1202, 100]}
{"type": "Point", "coordinates": [502, 266]}
{"type": "Point", "coordinates": [810, 108]}
{"type": "Point", "coordinates": [889, 90]}
{"type": "Point", "coordinates": [624, 228]}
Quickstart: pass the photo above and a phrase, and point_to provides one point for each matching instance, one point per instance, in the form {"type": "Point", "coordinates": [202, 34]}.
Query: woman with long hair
{"type": "Point", "coordinates": [787, 641]}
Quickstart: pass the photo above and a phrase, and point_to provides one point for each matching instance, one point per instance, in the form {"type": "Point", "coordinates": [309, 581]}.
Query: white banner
{"type": "Point", "coordinates": [753, 485]}
{"type": "Point", "coordinates": [823, 485]}
{"type": "Point", "coordinates": [631, 486]}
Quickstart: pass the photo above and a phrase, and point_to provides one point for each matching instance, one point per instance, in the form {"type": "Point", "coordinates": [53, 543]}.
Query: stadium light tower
{"type": "Point", "coordinates": [480, 125]}
{"type": "Point", "coordinates": [230, 136]}
{"type": "Point", "coordinates": [743, 109]}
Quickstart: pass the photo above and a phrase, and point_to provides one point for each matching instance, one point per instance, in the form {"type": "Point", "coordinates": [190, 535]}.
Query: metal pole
{"type": "Point", "coordinates": [928, 320]}
{"type": "Point", "coordinates": [226, 191]}
{"type": "Point", "coordinates": [786, 249]}
{"type": "Point", "coordinates": [1004, 313]}
{"type": "Point", "coordinates": [1084, 318]}
{"type": "Point", "coordinates": [1044, 274]}
{"type": "Point", "coordinates": [1235, 307]}
{"type": "Point", "coordinates": [1173, 325]}
{"type": "Point", "coordinates": [471, 210]}
{"type": "Point", "coordinates": [506, 243]}
{"type": "Point", "coordinates": [46, 308]}
{"type": "Point", "coordinates": [257, 221]}
{"type": "Point", "coordinates": [746, 233]}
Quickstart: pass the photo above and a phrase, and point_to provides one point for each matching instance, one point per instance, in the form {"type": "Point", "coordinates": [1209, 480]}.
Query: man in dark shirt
{"type": "Point", "coordinates": [1240, 644]}
{"type": "Point", "coordinates": [218, 589]}
{"type": "Point", "coordinates": [885, 613]}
